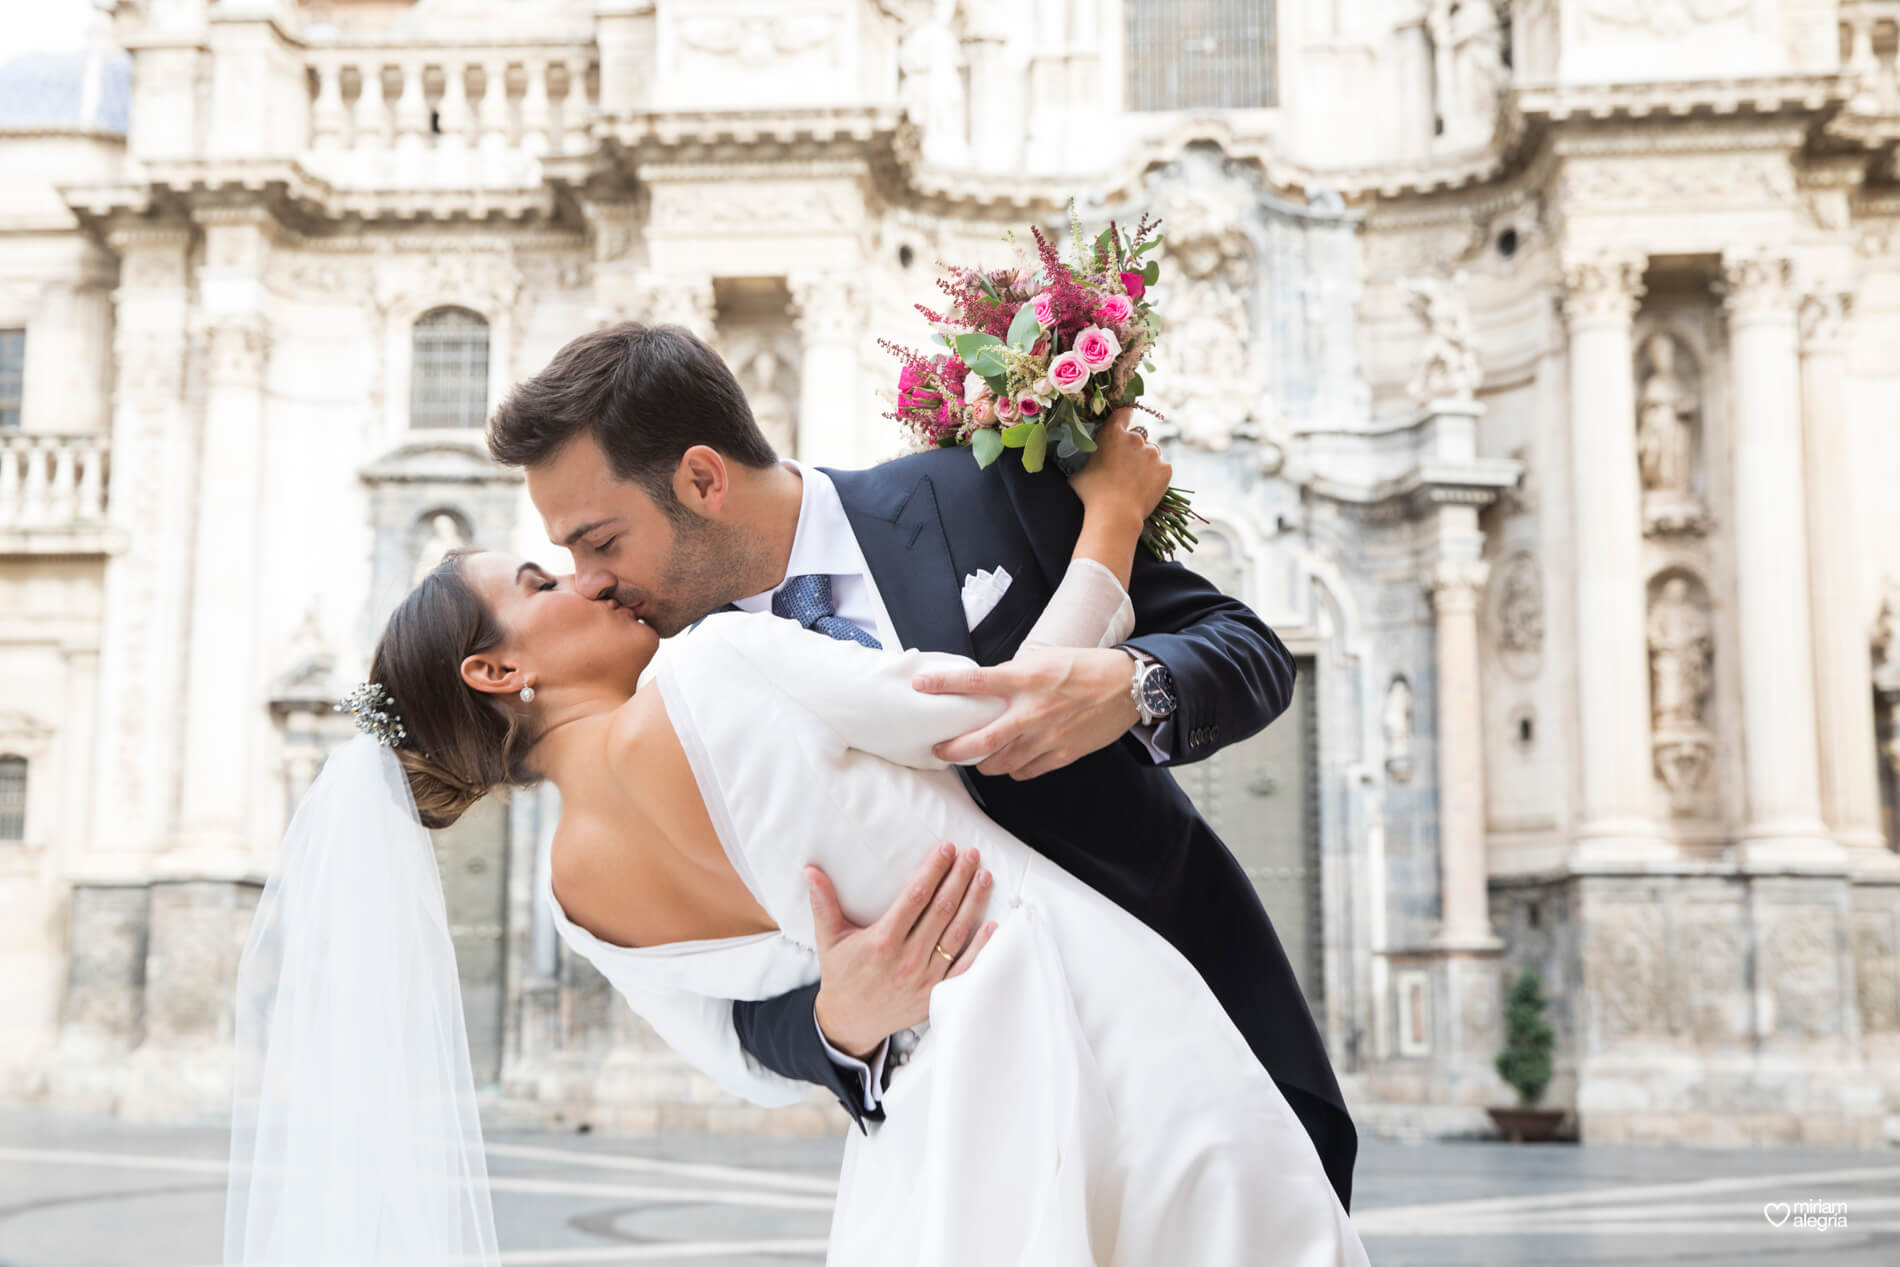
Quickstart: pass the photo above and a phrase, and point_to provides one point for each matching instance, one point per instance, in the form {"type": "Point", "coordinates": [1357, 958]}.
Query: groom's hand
{"type": "Point", "coordinates": [1064, 703]}
{"type": "Point", "coordinates": [876, 980]}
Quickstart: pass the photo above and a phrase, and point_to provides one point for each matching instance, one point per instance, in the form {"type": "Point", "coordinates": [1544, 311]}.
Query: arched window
{"type": "Point", "coordinates": [12, 798]}
{"type": "Point", "coordinates": [1199, 54]}
{"type": "Point", "coordinates": [448, 372]}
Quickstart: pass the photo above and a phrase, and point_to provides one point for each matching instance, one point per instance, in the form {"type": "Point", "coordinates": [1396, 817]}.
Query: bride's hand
{"type": "Point", "coordinates": [1127, 475]}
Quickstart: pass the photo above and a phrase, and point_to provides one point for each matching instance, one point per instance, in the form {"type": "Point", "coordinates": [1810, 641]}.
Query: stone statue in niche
{"type": "Point", "coordinates": [1396, 722]}
{"type": "Point", "coordinates": [1667, 407]}
{"type": "Point", "coordinates": [445, 537]}
{"type": "Point", "coordinates": [1681, 674]}
{"type": "Point", "coordinates": [1450, 369]}
{"type": "Point", "coordinates": [765, 366]}
{"type": "Point", "coordinates": [930, 62]}
{"type": "Point", "coordinates": [1467, 70]}
{"type": "Point", "coordinates": [1886, 670]}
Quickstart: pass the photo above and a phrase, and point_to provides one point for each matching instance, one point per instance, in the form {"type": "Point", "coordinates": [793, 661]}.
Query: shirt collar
{"type": "Point", "coordinates": [822, 543]}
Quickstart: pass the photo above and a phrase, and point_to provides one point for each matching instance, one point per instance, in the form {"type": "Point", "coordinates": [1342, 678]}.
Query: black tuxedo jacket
{"type": "Point", "coordinates": [1114, 819]}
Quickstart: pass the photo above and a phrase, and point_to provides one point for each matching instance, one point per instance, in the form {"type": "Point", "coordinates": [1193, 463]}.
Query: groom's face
{"type": "Point", "coordinates": [668, 569]}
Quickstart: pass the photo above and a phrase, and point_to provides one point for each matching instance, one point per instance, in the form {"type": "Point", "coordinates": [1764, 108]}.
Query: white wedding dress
{"type": "Point", "coordinates": [1077, 1097]}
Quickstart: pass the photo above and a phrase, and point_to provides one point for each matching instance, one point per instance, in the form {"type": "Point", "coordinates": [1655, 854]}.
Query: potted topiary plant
{"type": "Point", "coordinates": [1525, 1064]}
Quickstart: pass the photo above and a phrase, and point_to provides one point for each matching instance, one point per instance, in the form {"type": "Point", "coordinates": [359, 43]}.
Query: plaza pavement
{"type": "Point", "coordinates": [94, 1192]}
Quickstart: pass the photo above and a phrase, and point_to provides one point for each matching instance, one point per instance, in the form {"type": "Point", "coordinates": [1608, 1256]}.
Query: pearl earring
{"type": "Point", "coordinates": [527, 695]}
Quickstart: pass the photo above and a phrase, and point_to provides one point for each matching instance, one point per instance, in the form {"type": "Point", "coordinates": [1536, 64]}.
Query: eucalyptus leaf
{"type": "Point", "coordinates": [1149, 245]}
{"type": "Point", "coordinates": [1025, 329]}
{"type": "Point", "coordinates": [1017, 436]}
{"type": "Point", "coordinates": [989, 364]}
{"type": "Point", "coordinates": [969, 344]}
{"type": "Point", "coordinates": [1135, 388]}
{"type": "Point", "coordinates": [987, 445]}
{"type": "Point", "coordinates": [1083, 440]}
{"type": "Point", "coordinates": [1037, 447]}
{"type": "Point", "coordinates": [1150, 272]}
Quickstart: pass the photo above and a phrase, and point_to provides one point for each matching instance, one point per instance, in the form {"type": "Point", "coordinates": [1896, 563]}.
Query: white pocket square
{"type": "Point", "coordinates": [982, 590]}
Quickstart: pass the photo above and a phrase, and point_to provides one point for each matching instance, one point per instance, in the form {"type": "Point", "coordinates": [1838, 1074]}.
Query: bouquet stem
{"type": "Point", "coordinates": [1168, 529]}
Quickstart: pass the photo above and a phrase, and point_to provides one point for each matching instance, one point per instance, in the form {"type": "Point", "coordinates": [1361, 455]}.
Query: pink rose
{"type": "Point", "coordinates": [974, 389]}
{"type": "Point", "coordinates": [908, 377]}
{"type": "Point", "coordinates": [1114, 310]}
{"type": "Point", "coordinates": [1097, 347]}
{"type": "Point", "coordinates": [983, 412]}
{"type": "Point", "coordinates": [1132, 283]}
{"type": "Point", "coordinates": [1068, 373]}
{"type": "Point", "coordinates": [1028, 406]}
{"type": "Point", "coordinates": [1045, 306]}
{"type": "Point", "coordinates": [1005, 409]}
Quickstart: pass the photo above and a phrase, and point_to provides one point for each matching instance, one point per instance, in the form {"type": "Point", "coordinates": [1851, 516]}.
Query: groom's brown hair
{"type": "Point", "coordinates": [645, 393]}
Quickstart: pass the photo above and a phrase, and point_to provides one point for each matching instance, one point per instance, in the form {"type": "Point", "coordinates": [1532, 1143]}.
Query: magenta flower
{"type": "Point", "coordinates": [1135, 286]}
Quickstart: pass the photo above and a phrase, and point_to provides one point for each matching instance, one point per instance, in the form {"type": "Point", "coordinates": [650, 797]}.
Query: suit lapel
{"type": "Point", "coordinates": [900, 531]}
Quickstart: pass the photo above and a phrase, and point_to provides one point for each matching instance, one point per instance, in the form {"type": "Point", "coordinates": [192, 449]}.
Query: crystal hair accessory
{"type": "Point", "coordinates": [376, 715]}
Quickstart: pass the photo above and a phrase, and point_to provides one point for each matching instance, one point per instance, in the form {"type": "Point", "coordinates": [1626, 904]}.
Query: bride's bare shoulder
{"type": "Point", "coordinates": [636, 728]}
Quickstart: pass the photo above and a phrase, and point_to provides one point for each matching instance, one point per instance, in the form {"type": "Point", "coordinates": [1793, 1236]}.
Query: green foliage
{"type": "Point", "coordinates": [972, 342]}
{"type": "Point", "coordinates": [1017, 436]}
{"type": "Point", "coordinates": [1035, 448]}
{"type": "Point", "coordinates": [1024, 330]}
{"type": "Point", "coordinates": [1528, 1039]}
{"type": "Point", "coordinates": [987, 445]}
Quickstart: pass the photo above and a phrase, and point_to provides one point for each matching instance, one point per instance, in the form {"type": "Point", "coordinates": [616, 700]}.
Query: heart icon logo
{"type": "Point", "coordinates": [1777, 1212]}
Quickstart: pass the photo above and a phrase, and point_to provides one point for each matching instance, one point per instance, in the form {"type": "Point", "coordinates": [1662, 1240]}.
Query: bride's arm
{"type": "Point", "coordinates": [1122, 483]}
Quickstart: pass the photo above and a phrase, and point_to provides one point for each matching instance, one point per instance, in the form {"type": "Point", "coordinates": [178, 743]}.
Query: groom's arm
{"type": "Point", "coordinates": [874, 981]}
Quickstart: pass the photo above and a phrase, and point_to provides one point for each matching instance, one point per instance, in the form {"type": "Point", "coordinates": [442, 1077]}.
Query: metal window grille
{"type": "Point", "coordinates": [12, 375]}
{"type": "Point", "coordinates": [12, 798]}
{"type": "Point", "coordinates": [449, 370]}
{"type": "Point", "coordinates": [1199, 54]}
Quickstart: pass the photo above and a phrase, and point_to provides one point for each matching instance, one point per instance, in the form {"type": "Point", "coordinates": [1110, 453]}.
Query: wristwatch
{"type": "Point", "coordinates": [1152, 688]}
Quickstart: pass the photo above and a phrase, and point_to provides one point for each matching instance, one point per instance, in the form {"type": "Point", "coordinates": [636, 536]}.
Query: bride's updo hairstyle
{"type": "Point", "coordinates": [461, 742]}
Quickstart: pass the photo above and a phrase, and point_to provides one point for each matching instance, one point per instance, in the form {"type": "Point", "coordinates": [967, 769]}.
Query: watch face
{"type": "Point", "coordinates": [1157, 692]}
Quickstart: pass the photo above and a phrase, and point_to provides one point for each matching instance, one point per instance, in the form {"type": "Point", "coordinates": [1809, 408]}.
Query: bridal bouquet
{"type": "Point", "coordinates": [1038, 358]}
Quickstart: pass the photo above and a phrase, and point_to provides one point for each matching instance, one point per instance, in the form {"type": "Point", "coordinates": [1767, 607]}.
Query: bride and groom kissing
{"type": "Point", "coordinates": [891, 816]}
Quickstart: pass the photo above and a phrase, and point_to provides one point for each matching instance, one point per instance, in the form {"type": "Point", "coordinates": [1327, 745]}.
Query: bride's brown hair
{"type": "Point", "coordinates": [462, 742]}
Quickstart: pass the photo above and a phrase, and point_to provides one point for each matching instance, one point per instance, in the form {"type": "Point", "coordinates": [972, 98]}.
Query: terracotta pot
{"type": "Point", "coordinates": [1528, 1126]}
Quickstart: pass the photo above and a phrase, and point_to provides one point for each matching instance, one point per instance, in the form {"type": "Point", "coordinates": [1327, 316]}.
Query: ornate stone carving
{"type": "Point", "coordinates": [1396, 723]}
{"type": "Point", "coordinates": [1799, 965]}
{"type": "Point", "coordinates": [1757, 286]}
{"type": "Point", "coordinates": [1519, 615]}
{"type": "Point", "coordinates": [680, 301]}
{"type": "Point", "coordinates": [930, 62]}
{"type": "Point", "coordinates": [1824, 315]}
{"type": "Point", "coordinates": [1668, 409]}
{"type": "Point", "coordinates": [699, 208]}
{"type": "Point", "coordinates": [758, 40]}
{"type": "Point", "coordinates": [1681, 663]}
{"type": "Point", "coordinates": [486, 279]}
{"type": "Point", "coordinates": [1450, 369]}
{"type": "Point", "coordinates": [236, 352]}
{"type": "Point", "coordinates": [1669, 19]}
{"type": "Point", "coordinates": [1709, 989]}
{"type": "Point", "coordinates": [1876, 972]}
{"type": "Point", "coordinates": [1601, 288]}
{"type": "Point", "coordinates": [1209, 389]}
{"type": "Point", "coordinates": [1624, 965]}
{"type": "Point", "coordinates": [1637, 181]}
{"type": "Point", "coordinates": [1467, 70]}
{"type": "Point", "coordinates": [827, 308]}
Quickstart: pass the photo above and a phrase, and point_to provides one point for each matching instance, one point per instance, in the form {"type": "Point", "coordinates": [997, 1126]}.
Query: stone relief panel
{"type": "Point", "coordinates": [1640, 183]}
{"type": "Point", "coordinates": [1517, 614]}
{"type": "Point", "coordinates": [1449, 369]}
{"type": "Point", "coordinates": [1800, 971]}
{"type": "Point", "coordinates": [1625, 972]}
{"type": "Point", "coordinates": [104, 1007]}
{"type": "Point", "coordinates": [1681, 634]}
{"type": "Point", "coordinates": [1708, 967]}
{"type": "Point", "coordinates": [1877, 971]}
{"type": "Point", "coordinates": [1668, 436]}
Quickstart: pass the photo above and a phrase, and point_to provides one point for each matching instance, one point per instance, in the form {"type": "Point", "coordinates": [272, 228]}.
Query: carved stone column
{"type": "Point", "coordinates": [153, 485]}
{"type": "Point", "coordinates": [829, 313]}
{"type": "Point", "coordinates": [1782, 763]}
{"type": "Point", "coordinates": [1615, 821]}
{"type": "Point", "coordinates": [1456, 587]}
{"type": "Point", "coordinates": [1850, 780]}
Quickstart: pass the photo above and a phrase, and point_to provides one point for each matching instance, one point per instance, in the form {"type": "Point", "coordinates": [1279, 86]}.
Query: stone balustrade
{"type": "Point", "coordinates": [1870, 41]}
{"type": "Point", "coordinates": [51, 481]}
{"type": "Point", "coordinates": [408, 99]}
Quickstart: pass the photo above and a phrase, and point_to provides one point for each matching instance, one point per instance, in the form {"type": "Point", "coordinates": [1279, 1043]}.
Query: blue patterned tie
{"type": "Point", "coordinates": [807, 599]}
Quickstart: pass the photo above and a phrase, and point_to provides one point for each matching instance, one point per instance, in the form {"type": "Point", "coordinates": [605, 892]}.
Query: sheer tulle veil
{"type": "Point", "coordinates": [355, 1138]}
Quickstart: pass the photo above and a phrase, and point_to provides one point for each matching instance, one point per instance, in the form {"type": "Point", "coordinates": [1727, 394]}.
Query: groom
{"type": "Point", "coordinates": [643, 459]}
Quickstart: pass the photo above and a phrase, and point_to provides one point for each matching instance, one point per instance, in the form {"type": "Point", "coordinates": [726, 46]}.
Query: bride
{"type": "Point", "coordinates": [1078, 1095]}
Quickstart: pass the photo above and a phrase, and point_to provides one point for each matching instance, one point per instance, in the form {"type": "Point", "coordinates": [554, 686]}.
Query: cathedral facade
{"type": "Point", "coordinates": [1536, 364]}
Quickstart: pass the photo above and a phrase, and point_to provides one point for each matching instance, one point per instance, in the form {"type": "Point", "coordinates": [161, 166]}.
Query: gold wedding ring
{"type": "Point", "coordinates": [947, 956]}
